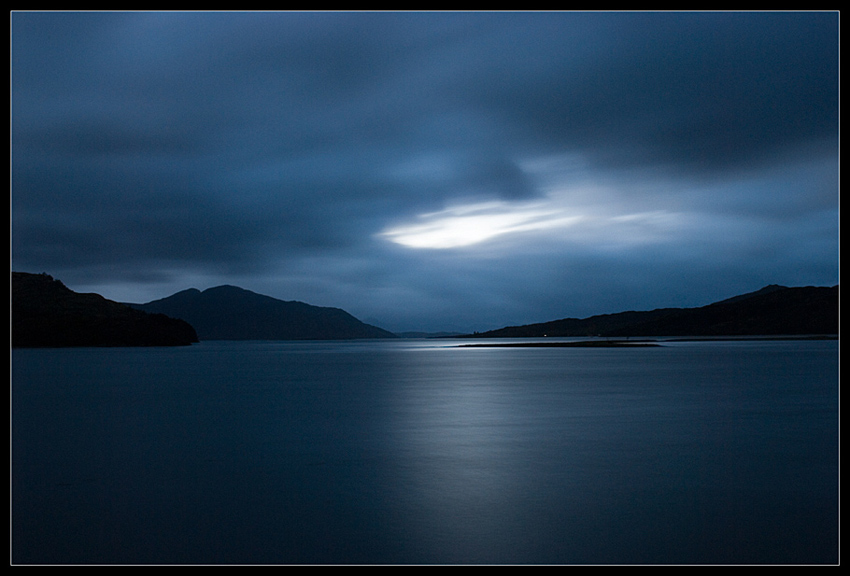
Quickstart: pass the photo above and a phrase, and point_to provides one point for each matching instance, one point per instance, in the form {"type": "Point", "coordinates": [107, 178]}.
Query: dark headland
{"type": "Point", "coordinates": [46, 313]}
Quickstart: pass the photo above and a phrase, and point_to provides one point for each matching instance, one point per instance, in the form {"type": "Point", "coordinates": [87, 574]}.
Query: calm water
{"type": "Point", "coordinates": [420, 452]}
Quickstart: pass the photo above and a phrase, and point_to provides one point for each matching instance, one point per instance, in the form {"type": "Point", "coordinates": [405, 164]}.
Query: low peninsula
{"type": "Point", "coordinates": [576, 344]}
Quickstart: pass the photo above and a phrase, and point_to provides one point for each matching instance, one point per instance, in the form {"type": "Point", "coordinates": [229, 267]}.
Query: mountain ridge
{"type": "Point", "coordinates": [46, 313]}
{"type": "Point", "coordinates": [772, 310]}
{"type": "Point", "coordinates": [232, 313]}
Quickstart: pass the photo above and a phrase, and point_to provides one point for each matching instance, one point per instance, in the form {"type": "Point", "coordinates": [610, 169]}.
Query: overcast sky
{"type": "Point", "coordinates": [433, 171]}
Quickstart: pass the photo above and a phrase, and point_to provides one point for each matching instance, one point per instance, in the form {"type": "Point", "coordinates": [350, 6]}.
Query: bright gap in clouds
{"type": "Point", "coordinates": [471, 224]}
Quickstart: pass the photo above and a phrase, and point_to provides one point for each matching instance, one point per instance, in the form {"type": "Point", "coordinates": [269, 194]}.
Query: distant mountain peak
{"type": "Point", "coordinates": [232, 313]}
{"type": "Point", "coordinates": [760, 292]}
{"type": "Point", "coordinates": [226, 288]}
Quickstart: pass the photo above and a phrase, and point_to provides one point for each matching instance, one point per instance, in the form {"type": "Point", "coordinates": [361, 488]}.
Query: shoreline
{"type": "Point", "coordinates": [577, 344]}
{"type": "Point", "coordinates": [644, 343]}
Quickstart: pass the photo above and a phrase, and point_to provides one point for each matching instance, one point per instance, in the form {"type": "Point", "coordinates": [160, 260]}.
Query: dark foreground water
{"type": "Point", "coordinates": [418, 452]}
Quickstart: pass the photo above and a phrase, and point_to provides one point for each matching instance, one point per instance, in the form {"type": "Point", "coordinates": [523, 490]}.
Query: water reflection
{"type": "Point", "coordinates": [460, 461]}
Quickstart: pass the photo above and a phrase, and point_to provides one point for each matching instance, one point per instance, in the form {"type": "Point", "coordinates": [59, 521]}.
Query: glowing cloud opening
{"type": "Point", "coordinates": [472, 224]}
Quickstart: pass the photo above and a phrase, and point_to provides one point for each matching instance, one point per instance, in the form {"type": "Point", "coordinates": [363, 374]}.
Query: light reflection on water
{"type": "Point", "coordinates": [421, 452]}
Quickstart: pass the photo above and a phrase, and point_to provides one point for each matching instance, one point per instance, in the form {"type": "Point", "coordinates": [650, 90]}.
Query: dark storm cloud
{"type": "Point", "coordinates": [698, 89]}
{"type": "Point", "coordinates": [555, 154]}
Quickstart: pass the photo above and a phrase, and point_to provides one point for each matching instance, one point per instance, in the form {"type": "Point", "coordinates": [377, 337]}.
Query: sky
{"type": "Point", "coordinates": [426, 170]}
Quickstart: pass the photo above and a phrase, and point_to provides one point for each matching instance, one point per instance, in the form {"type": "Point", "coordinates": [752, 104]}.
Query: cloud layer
{"type": "Point", "coordinates": [428, 170]}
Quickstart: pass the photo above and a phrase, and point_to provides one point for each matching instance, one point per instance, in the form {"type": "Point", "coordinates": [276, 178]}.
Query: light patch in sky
{"type": "Point", "coordinates": [471, 224]}
{"type": "Point", "coordinates": [605, 223]}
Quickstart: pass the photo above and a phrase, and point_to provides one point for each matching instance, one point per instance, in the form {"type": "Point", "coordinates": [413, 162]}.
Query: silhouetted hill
{"type": "Point", "coordinates": [45, 313]}
{"type": "Point", "coordinates": [762, 292]}
{"type": "Point", "coordinates": [772, 311]}
{"type": "Point", "coordinates": [232, 313]}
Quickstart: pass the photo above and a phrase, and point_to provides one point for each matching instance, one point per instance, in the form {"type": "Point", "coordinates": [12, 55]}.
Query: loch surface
{"type": "Point", "coordinates": [423, 452]}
